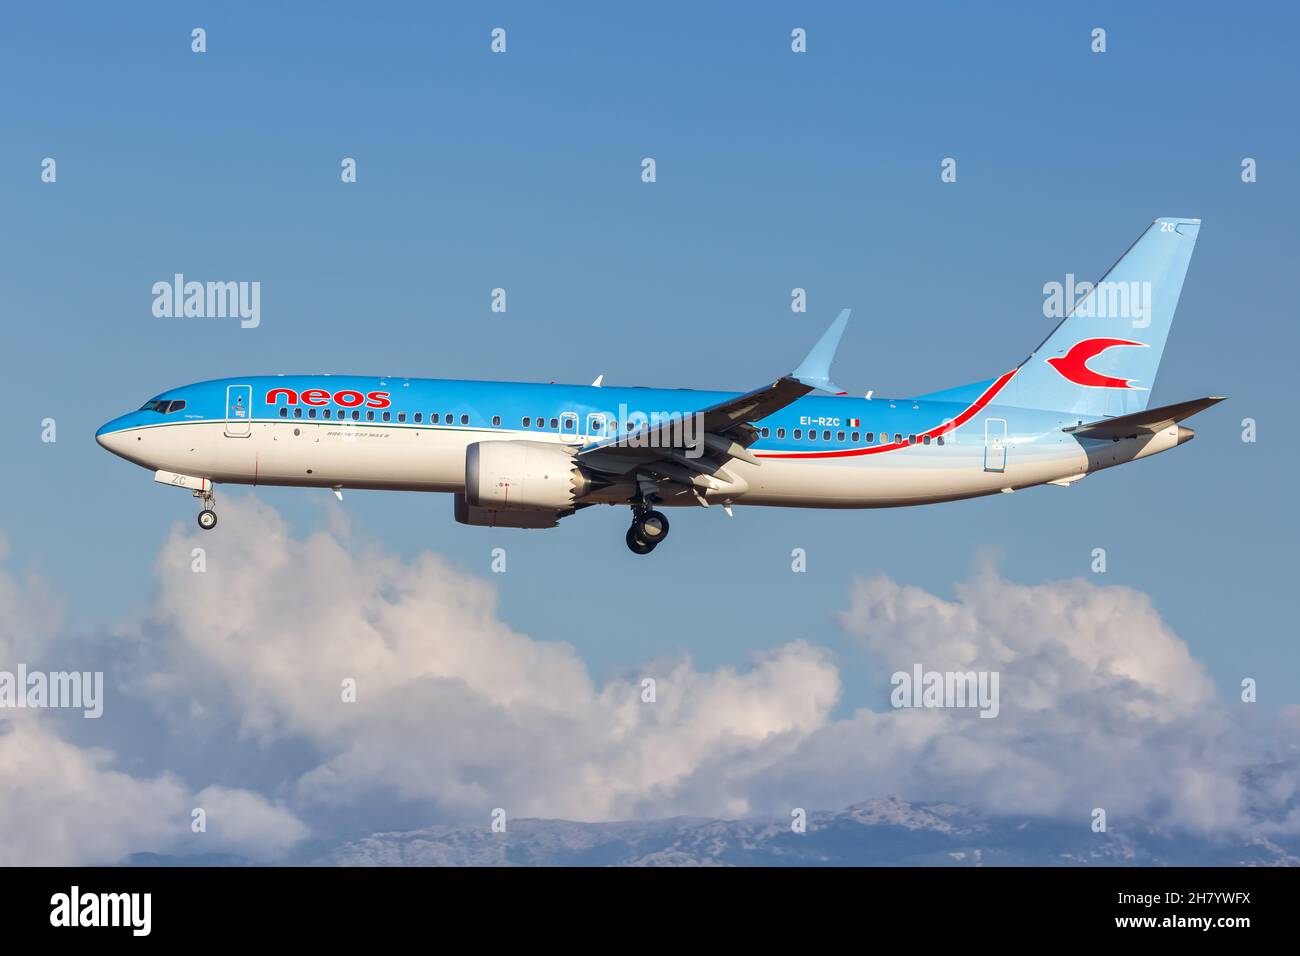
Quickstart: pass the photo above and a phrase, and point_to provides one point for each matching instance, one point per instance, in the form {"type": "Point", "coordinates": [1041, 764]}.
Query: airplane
{"type": "Point", "coordinates": [525, 455]}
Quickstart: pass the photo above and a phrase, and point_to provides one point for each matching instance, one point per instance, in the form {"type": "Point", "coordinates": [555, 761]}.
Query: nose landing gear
{"type": "Point", "coordinates": [208, 516]}
{"type": "Point", "coordinates": [649, 529]}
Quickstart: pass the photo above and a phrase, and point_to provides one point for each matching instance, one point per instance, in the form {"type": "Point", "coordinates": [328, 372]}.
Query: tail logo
{"type": "Point", "coordinates": [1073, 365]}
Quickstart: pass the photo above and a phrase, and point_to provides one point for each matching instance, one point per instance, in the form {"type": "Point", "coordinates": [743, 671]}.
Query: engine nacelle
{"type": "Point", "coordinates": [492, 518]}
{"type": "Point", "coordinates": [521, 475]}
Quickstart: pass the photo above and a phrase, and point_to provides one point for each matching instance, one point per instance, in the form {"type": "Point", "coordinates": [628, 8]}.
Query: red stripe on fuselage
{"type": "Point", "coordinates": [966, 415]}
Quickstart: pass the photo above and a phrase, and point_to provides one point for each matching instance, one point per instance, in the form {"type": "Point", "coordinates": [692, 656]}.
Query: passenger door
{"type": "Point", "coordinates": [239, 411]}
{"type": "Point", "coordinates": [995, 444]}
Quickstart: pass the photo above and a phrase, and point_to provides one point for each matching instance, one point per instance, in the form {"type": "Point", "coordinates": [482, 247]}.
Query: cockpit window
{"type": "Point", "coordinates": [163, 406]}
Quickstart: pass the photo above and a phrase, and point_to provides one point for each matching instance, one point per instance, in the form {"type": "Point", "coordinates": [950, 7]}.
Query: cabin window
{"type": "Point", "coordinates": [297, 413]}
{"type": "Point", "coordinates": [388, 416]}
{"type": "Point", "coordinates": [401, 416]}
{"type": "Point", "coordinates": [284, 413]}
{"type": "Point", "coordinates": [856, 437]}
{"type": "Point", "coordinates": [311, 413]}
{"type": "Point", "coordinates": [541, 422]}
{"type": "Point", "coordinates": [370, 416]}
{"type": "Point", "coordinates": [812, 434]}
{"type": "Point", "coordinates": [419, 417]}
{"type": "Point", "coordinates": [464, 419]}
{"type": "Point", "coordinates": [826, 435]}
{"type": "Point", "coordinates": [925, 440]}
{"type": "Point", "coordinates": [555, 423]}
{"type": "Point", "coordinates": [898, 438]}
{"type": "Point", "coordinates": [798, 433]}
{"type": "Point", "coordinates": [871, 437]}
{"type": "Point", "coordinates": [780, 433]}
{"type": "Point", "coordinates": [356, 415]}
{"type": "Point", "coordinates": [447, 419]}
{"type": "Point", "coordinates": [527, 422]}
{"type": "Point", "coordinates": [940, 439]}
{"type": "Point", "coordinates": [496, 420]}
{"type": "Point", "coordinates": [763, 433]}
{"type": "Point", "coordinates": [911, 439]}
{"type": "Point", "coordinates": [839, 436]}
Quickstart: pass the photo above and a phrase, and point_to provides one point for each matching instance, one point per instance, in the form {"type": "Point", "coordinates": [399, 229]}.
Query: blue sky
{"type": "Point", "coordinates": [775, 170]}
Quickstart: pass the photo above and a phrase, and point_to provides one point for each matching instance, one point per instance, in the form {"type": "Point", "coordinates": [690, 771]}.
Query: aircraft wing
{"type": "Point", "coordinates": [1147, 421]}
{"type": "Point", "coordinates": [724, 429]}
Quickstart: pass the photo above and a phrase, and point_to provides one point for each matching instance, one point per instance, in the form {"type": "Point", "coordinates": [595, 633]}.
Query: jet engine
{"type": "Point", "coordinates": [521, 476]}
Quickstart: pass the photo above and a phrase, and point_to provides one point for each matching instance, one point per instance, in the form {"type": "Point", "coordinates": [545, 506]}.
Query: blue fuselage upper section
{"type": "Point", "coordinates": [811, 424]}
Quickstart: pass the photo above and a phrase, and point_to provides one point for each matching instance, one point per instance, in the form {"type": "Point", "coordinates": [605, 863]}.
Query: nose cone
{"type": "Point", "coordinates": [113, 435]}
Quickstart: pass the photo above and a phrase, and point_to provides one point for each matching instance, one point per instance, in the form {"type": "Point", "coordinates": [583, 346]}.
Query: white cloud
{"type": "Point", "coordinates": [1063, 640]}
{"type": "Point", "coordinates": [1102, 705]}
{"type": "Point", "coordinates": [63, 804]}
{"type": "Point", "coordinates": [457, 713]}
{"type": "Point", "coordinates": [239, 821]}
{"type": "Point", "coordinates": [453, 707]}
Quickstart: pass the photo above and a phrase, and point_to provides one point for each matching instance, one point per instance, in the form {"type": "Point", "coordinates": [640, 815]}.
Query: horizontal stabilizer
{"type": "Point", "coordinates": [1148, 421]}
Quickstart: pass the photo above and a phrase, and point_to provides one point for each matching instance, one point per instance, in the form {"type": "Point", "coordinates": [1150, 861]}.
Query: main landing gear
{"type": "Point", "coordinates": [649, 528]}
{"type": "Point", "coordinates": [208, 516]}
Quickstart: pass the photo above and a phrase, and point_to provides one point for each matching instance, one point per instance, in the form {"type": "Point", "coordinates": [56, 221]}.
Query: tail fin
{"type": "Point", "coordinates": [1103, 356]}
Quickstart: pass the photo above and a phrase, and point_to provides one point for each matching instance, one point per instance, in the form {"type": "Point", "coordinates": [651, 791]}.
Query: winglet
{"type": "Point", "coordinates": [815, 370]}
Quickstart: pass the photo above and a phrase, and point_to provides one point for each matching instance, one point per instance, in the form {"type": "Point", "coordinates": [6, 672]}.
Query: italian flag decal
{"type": "Point", "coordinates": [854, 423]}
